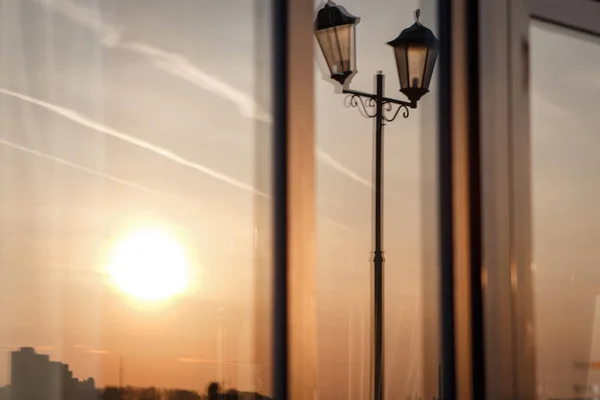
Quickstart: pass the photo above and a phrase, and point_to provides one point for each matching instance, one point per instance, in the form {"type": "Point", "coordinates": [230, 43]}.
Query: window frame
{"type": "Point", "coordinates": [294, 202]}
{"type": "Point", "coordinates": [575, 15]}
{"type": "Point", "coordinates": [484, 201]}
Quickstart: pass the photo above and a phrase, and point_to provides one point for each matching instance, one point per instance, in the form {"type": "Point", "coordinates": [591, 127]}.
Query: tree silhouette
{"type": "Point", "coordinates": [112, 393]}
{"type": "Point", "coordinates": [213, 390]}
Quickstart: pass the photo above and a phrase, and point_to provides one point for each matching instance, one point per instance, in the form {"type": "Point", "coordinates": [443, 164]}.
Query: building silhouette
{"type": "Point", "coordinates": [35, 377]}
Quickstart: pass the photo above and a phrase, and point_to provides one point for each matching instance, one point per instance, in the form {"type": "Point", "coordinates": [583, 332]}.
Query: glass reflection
{"type": "Point", "coordinates": [134, 199]}
{"type": "Point", "coordinates": [566, 192]}
{"type": "Point", "coordinates": [345, 192]}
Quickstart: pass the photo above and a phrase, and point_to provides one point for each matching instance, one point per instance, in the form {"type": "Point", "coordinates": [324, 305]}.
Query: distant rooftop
{"type": "Point", "coordinates": [27, 350]}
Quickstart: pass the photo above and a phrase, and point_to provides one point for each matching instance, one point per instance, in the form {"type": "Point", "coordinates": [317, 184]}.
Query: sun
{"type": "Point", "coordinates": [149, 264]}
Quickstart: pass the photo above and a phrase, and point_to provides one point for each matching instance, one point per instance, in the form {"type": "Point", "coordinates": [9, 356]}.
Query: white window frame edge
{"type": "Point", "coordinates": [495, 184]}
{"type": "Point", "coordinates": [579, 15]}
{"type": "Point", "coordinates": [506, 191]}
{"type": "Point", "coordinates": [521, 197]}
{"type": "Point", "coordinates": [506, 206]}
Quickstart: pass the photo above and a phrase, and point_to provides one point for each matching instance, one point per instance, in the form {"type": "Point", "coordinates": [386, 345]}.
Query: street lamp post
{"type": "Point", "coordinates": [416, 51]}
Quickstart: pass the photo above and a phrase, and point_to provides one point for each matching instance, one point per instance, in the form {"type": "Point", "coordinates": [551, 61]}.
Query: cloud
{"type": "Point", "coordinates": [209, 361]}
{"type": "Point", "coordinates": [92, 351]}
{"type": "Point", "coordinates": [165, 153]}
{"type": "Point", "coordinates": [195, 360]}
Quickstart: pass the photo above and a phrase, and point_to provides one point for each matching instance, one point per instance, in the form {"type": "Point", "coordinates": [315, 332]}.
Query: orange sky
{"type": "Point", "coordinates": [110, 112]}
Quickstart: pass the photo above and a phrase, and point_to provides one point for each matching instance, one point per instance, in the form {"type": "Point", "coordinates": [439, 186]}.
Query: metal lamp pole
{"type": "Point", "coordinates": [415, 50]}
{"type": "Point", "coordinates": [378, 259]}
{"type": "Point", "coordinates": [380, 108]}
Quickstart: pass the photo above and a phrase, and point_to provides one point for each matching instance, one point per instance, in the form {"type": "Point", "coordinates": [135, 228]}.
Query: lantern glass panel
{"type": "Point", "coordinates": [402, 65]}
{"type": "Point", "coordinates": [431, 58]}
{"type": "Point", "coordinates": [416, 60]}
{"type": "Point", "coordinates": [338, 46]}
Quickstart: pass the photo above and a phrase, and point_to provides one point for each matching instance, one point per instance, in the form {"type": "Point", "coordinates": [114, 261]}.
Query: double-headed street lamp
{"type": "Point", "coordinates": [416, 51]}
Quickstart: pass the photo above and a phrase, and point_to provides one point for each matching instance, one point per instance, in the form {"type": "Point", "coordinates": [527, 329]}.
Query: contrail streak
{"type": "Point", "coordinates": [178, 65]}
{"type": "Point", "coordinates": [111, 178]}
{"type": "Point", "coordinates": [338, 225]}
{"type": "Point", "coordinates": [97, 173]}
{"type": "Point", "coordinates": [88, 123]}
{"type": "Point", "coordinates": [333, 163]}
{"type": "Point", "coordinates": [175, 64]}
{"type": "Point", "coordinates": [75, 166]}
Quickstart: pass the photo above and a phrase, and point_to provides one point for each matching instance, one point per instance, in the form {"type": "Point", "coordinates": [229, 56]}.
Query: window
{"type": "Point", "coordinates": [135, 196]}
{"type": "Point", "coordinates": [565, 136]}
{"type": "Point", "coordinates": [345, 160]}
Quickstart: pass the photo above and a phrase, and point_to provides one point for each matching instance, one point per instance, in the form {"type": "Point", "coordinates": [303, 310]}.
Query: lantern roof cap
{"type": "Point", "coordinates": [332, 15]}
{"type": "Point", "coordinates": [416, 33]}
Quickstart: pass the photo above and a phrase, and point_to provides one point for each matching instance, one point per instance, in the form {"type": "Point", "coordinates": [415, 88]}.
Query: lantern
{"type": "Point", "coordinates": [416, 51]}
{"type": "Point", "coordinates": [335, 32]}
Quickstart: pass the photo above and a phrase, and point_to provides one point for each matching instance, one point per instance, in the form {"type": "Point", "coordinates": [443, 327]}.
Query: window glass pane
{"type": "Point", "coordinates": [345, 170]}
{"type": "Point", "coordinates": [566, 194]}
{"type": "Point", "coordinates": [134, 196]}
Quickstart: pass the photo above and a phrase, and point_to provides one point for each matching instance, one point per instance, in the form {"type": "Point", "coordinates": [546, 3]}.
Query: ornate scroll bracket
{"type": "Point", "coordinates": [367, 108]}
{"type": "Point", "coordinates": [388, 108]}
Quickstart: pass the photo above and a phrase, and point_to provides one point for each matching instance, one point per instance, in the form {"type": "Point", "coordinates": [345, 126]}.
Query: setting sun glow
{"type": "Point", "coordinates": [149, 265]}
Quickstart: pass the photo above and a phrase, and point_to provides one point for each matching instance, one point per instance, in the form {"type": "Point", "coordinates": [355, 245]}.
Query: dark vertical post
{"type": "Point", "coordinates": [378, 244]}
{"type": "Point", "coordinates": [280, 199]}
{"type": "Point", "coordinates": [475, 199]}
{"type": "Point", "coordinates": [445, 201]}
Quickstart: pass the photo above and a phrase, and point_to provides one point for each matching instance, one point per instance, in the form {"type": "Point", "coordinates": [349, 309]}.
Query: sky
{"type": "Point", "coordinates": [114, 116]}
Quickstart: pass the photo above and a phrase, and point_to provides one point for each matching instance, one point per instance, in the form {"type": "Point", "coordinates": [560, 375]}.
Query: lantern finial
{"type": "Point", "coordinates": [417, 16]}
